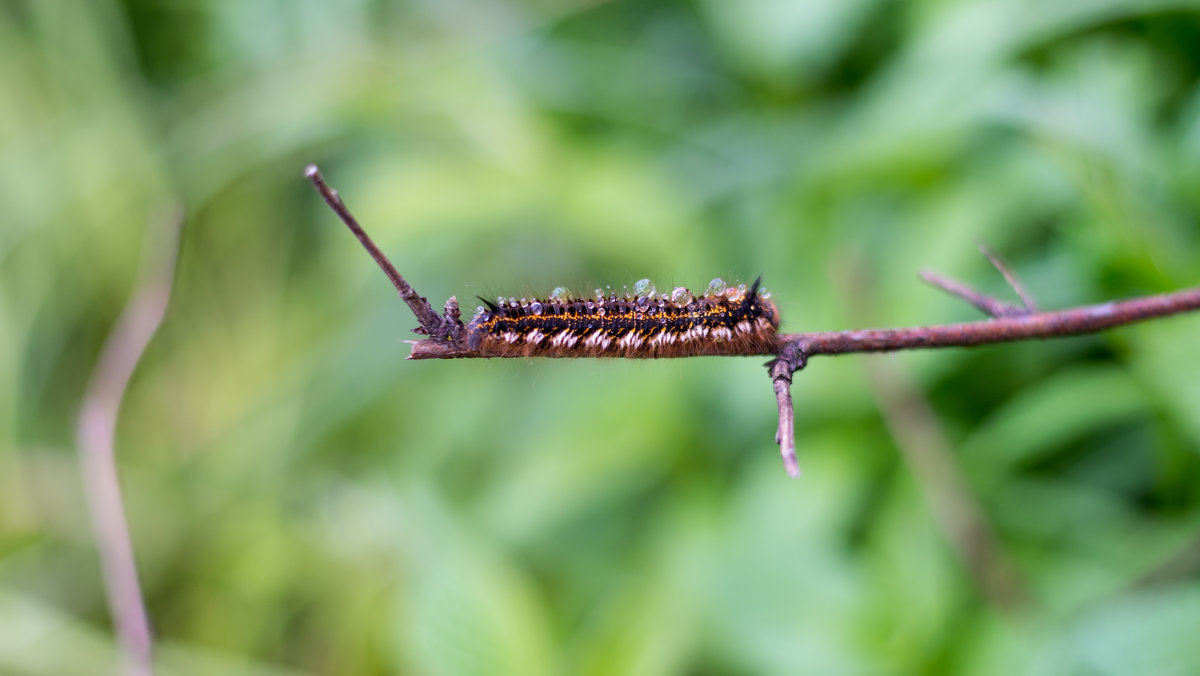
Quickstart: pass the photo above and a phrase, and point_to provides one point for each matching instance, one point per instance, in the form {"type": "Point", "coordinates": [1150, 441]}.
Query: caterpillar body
{"type": "Point", "coordinates": [641, 325]}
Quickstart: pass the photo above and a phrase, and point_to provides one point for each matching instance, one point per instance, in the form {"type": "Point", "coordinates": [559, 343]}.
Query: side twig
{"type": "Point", "coordinates": [781, 369]}
{"type": "Point", "coordinates": [993, 307]}
{"type": "Point", "coordinates": [1012, 279]}
{"type": "Point", "coordinates": [989, 306]}
{"type": "Point", "coordinates": [95, 436]}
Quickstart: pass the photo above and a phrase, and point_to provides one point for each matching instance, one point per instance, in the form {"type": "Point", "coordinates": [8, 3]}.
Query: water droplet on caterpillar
{"type": "Point", "coordinates": [560, 294]}
{"type": "Point", "coordinates": [716, 286]}
{"type": "Point", "coordinates": [644, 287]}
{"type": "Point", "coordinates": [681, 295]}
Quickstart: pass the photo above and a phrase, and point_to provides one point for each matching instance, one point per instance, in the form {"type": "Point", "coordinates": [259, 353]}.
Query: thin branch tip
{"type": "Point", "coordinates": [1027, 303]}
{"type": "Point", "coordinates": [430, 322]}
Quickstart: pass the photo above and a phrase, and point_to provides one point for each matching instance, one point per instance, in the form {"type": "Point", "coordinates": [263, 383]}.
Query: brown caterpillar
{"type": "Point", "coordinates": [724, 321]}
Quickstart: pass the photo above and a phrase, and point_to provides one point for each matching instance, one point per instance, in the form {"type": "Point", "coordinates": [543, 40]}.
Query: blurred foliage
{"type": "Point", "coordinates": [305, 501]}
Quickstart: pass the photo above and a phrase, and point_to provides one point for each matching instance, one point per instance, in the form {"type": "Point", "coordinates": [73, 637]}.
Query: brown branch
{"type": "Point", "coordinates": [1041, 325]}
{"type": "Point", "coordinates": [1038, 326]}
{"type": "Point", "coordinates": [95, 436]}
{"type": "Point", "coordinates": [431, 324]}
{"type": "Point", "coordinates": [1009, 323]}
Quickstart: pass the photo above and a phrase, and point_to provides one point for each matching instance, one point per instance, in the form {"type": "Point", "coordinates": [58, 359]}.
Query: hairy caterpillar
{"type": "Point", "coordinates": [642, 325]}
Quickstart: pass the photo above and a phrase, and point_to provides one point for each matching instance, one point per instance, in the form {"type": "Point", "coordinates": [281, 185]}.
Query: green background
{"type": "Point", "coordinates": [303, 500]}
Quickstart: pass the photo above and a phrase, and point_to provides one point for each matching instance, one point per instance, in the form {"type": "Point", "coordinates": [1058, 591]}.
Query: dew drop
{"type": "Point", "coordinates": [644, 287]}
{"type": "Point", "coordinates": [600, 311]}
{"type": "Point", "coordinates": [764, 292]}
{"type": "Point", "coordinates": [560, 294]}
{"type": "Point", "coordinates": [599, 294]}
{"type": "Point", "coordinates": [643, 303]}
{"type": "Point", "coordinates": [681, 295]}
{"type": "Point", "coordinates": [716, 286]}
{"type": "Point", "coordinates": [535, 308]}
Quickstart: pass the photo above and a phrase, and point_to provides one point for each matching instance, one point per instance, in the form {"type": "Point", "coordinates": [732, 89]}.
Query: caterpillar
{"type": "Point", "coordinates": [643, 325]}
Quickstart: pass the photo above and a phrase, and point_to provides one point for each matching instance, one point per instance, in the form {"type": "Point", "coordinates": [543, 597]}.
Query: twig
{"type": "Point", "coordinates": [95, 436]}
{"type": "Point", "coordinates": [431, 324]}
{"type": "Point", "coordinates": [781, 369]}
{"type": "Point", "coordinates": [1009, 323]}
{"type": "Point", "coordinates": [986, 304]}
{"type": "Point", "coordinates": [1011, 278]}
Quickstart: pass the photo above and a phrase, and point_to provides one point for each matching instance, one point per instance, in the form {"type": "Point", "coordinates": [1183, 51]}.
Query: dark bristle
{"type": "Point", "coordinates": [489, 304]}
{"type": "Point", "coordinates": [752, 294]}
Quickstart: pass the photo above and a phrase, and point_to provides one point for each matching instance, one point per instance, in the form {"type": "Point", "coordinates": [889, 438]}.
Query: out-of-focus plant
{"type": "Point", "coordinates": [286, 514]}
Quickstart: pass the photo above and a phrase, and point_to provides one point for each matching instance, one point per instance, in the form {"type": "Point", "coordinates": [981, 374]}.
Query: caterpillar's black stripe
{"type": "Point", "coordinates": [725, 321]}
